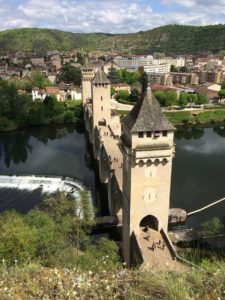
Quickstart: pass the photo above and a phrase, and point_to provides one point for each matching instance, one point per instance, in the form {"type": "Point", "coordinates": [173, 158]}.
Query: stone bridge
{"type": "Point", "coordinates": [107, 152]}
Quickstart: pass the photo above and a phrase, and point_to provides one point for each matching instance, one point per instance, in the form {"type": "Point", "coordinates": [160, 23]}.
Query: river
{"type": "Point", "coordinates": [198, 167]}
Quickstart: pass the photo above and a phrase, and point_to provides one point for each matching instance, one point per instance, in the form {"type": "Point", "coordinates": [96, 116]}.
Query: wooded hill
{"type": "Point", "coordinates": [178, 39]}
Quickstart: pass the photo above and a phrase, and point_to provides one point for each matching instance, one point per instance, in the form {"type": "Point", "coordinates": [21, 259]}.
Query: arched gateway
{"type": "Point", "coordinates": [151, 222]}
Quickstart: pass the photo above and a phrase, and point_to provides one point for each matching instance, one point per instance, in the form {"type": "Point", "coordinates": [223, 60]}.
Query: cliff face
{"type": "Point", "coordinates": [170, 38]}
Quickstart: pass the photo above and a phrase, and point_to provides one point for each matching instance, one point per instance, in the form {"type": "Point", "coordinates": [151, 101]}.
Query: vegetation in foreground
{"type": "Point", "coordinates": [48, 254]}
{"type": "Point", "coordinates": [33, 281]}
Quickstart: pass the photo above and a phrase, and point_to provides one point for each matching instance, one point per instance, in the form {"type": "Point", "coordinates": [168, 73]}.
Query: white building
{"type": "Point", "coordinates": [160, 69]}
{"type": "Point", "coordinates": [38, 94]}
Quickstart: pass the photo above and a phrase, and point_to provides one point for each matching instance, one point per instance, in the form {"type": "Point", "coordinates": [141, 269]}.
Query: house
{"type": "Point", "coordinates": [38, 60]}
{"type": "Point", "coordinates": [54, 91]}
{"type": "Point", "coordinates": [38, 94]}
{"type": "Point", "coordinates": [76, 94]}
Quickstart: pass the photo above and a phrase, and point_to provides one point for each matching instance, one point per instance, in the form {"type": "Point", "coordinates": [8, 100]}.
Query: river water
{"type": "Point", "coordinates": [198, 176]}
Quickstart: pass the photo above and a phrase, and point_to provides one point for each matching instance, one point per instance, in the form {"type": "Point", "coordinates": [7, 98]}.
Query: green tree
{"type": "Point", "coordinates": [50, 236]}
{"type": "Point", "coordinates": [39, 80]}
{"type": "Point", "coordinates": [171, 98]}
{"type": "Point", "coordinates": [212, 228]}
{"type": "Point", "coordinates": [123, 95]}
{"type": "Point", "coordinates": [37, 114]}
{"type": "Point", "coordinates": [221, 93]}
{"type": "Point", "coordinates": [201, 99]}
{"type": "Point", "coordinates": [223, 85]}
{"type": "Point", "coordinates": [112, 91]}
{"type": "Point", "coordinates": [102, 58]}
{"type": "Point", "coordinates": [134, 95]}
{"type": "Point", "coordinates": [49, 103]}
{"type": "Point", "coordinates": [160, 96]}
{"type": "Point", "coordinates": [69, 116]}
{"type": "Point", "coordinates": [70, 74]}
{"type": "Point", "coordinates": [113, 75]}
{"type": "Point", "coordinates": [17, 239]}
{"type": "Point", "coordinates": [184, 69]}
{"type": "Point", "coordinates": [192, 99]}
{"type": "Point", "coordinates": [132, 78]}
{"type": "Point", "coordinates": [144, 82]}
{"type": "Point", "coordinates": [173, 69]}
{"type": "Point", "coordinates": [12, 103]}
{"type": "Point", "coordinates": [183, 99]}
{"type": "Point", "coordinates": [57, 205]}
{"type": "Point", "coordinates": [80, 58]}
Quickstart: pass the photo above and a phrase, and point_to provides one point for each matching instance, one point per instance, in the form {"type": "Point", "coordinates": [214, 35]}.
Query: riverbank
{"type": "Point", "coordinates": [40, 113]}
{"type": "Point", "coordinates": [191, 117]}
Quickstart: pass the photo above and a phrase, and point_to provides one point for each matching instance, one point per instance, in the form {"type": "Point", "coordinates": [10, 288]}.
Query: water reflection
{"type": "Point", "coordinates": [199, 172]}
{"type": "Point", "coordinates": [220, 130]}
{"type": "Point", "coordinates": [17, 145]}
{"type": "Point", "coordinates": [196, 133]}
{"type": "Point", "coordinates": [189, 133]}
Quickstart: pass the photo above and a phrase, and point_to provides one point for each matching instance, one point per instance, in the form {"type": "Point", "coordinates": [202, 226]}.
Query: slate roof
{"type": "Point", "coordinates": [146, 115]}
{"type": "Point", "coordinates": [100, 78]}
{"type": "Point", "coordinates": [87, 64]}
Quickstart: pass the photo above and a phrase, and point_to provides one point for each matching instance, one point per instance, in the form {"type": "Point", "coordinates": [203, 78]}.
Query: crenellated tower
{"type": "Point", "coordinates": [88, 73]}
{"type": "Point", "coordinates": [148, 147]}
{"type": "Point", "coordinates": [101, 105]}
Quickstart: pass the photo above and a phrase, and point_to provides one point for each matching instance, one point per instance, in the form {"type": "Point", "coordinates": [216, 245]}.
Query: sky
{"type": "Point", "coordinates": [109, 16]}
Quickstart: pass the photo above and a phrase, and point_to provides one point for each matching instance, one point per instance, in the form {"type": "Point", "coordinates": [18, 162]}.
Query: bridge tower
{"type": "Point", "coordinates": [88, 73]}
{"type": "Point", "coordinates": [147, 146]}
{"type": "Point", "coordinates": [101, 106]}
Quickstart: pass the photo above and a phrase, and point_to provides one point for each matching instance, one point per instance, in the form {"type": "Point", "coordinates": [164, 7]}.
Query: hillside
{"type": "Point", "coordinates": [170, 38]}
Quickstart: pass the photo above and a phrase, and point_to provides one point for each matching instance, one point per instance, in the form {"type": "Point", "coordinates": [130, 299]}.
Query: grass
{"type": "Point", "coordinates": [190, 117]}
{"type": "Point", "coordinates": [35, 282]}
{"type": "Point", "coordinates": [196, 117]}
{"type": "Point", "coordinates": [72, 103]}
{"type": "Point", "coordinates": [215, 107]}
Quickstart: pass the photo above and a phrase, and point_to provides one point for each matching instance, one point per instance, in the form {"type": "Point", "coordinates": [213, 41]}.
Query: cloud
{"type": "Point", "coordinates": [107, 16]}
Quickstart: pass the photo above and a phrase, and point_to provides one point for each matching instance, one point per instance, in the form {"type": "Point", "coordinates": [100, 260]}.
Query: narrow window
{"type": "Point", "coordinates": [149, 133]}
{"type": "Point", "coordinates": [140, 134]}
{"type": "Point", "coordinates": [164, 133]}
{"type": "Point", "coordinates": [157, 134]}
{"type": "Point", "coordinates": [101, 98]}
{"type": "Point", "coordinates": [101, 108]}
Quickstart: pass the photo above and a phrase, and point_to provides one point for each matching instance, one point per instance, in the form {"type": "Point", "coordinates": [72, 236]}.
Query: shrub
{"type": "Point", "coordinates": [69, 116]}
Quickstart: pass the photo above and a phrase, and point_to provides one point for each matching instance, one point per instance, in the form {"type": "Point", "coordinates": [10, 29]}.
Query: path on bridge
{"type": "Point", "coordinates": [156, 254]}
{"type": "Point", "coordinates": [114, 152]}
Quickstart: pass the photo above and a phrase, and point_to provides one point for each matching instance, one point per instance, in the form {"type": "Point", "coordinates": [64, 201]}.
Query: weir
{"type": "Point", "coordinates": [135, 161]}
{"type": "Point", "coordinates": [45, 185]}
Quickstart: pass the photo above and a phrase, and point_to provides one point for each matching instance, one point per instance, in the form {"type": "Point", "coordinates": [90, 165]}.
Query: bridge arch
{"type": "Point", "coordinates": [151, 222]}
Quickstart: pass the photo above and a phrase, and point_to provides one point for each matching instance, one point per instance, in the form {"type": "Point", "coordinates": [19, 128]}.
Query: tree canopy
{"type": "Point", "coordinates": [70, 74]}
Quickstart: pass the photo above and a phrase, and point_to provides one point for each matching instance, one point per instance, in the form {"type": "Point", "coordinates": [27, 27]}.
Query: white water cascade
{"type": "Point", "coordinates": [46, 184]}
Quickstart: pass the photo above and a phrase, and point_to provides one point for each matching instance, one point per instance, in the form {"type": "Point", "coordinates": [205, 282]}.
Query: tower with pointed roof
{"type": "Point", "coordinates": [101, 107]}
{"type": "Point", "coordinates": [88, 73]}
{"type": "Point", "coordinates": [148, 147]}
